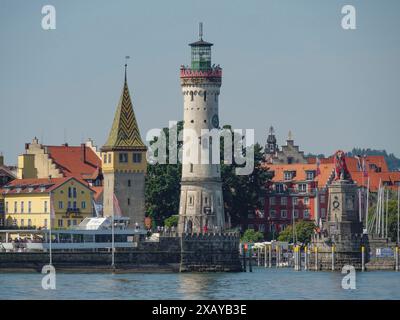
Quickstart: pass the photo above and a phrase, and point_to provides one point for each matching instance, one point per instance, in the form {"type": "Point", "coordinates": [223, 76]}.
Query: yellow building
{"type": "Point", "coordinates": [30, 202]}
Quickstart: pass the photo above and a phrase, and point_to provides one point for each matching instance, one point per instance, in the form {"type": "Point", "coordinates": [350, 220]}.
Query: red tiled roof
{"type": "Point", "coordinates": [79, 161]}
{"type": "Point", "coordinates": [37, 185]}
{"type": "Point", "coordinates": [301, 172]}
{"type": "Point", "coordinates": [326, 167]}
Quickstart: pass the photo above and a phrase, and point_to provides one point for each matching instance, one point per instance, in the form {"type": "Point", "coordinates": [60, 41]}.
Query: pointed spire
{"type": "Point", "coordinates": [124, 134]}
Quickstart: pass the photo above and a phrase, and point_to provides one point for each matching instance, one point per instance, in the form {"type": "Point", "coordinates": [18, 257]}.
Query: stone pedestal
{"type": "Point", "coordinates": [342, 230]}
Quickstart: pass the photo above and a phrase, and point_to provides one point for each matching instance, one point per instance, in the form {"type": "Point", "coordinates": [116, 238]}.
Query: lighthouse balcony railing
{"type": "Point", "coordinates": [190, 73]}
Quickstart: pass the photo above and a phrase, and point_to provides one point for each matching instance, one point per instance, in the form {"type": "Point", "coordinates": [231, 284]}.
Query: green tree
{"type": "Point", "coordinates": [162, 185]}
{"type": "Point", "coordinates": [171, 221]}
{"type": "Point", "coordinates": [303, 229]}
{"type": "Point", "coordinates": [252, 236]}
{"type": "Point", "coordinates": [242, 193]}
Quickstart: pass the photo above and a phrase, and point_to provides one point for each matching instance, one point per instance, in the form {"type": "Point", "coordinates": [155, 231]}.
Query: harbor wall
{"type": "Point", "coordinates": [189, 253]}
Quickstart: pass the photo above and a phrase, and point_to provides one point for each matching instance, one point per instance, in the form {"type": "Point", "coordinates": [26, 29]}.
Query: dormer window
{"type": "Point", "coordinates": [288, 175]}
{"type": "Point", "coordinates": [310, 175]}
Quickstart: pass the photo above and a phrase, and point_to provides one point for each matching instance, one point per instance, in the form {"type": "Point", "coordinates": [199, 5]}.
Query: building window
{"type": "Point", "coordinates": [60, 204]}
{"type": "Point", "coordinates": [310, 175]}
{"type": "Point", "coordinates": [279, 188]}
{"type": "Point", "coordinates": [302, 187]}
{"type": "Point", "coordinates": [74, 222]}
{"type": "Point", "coordinates": [295, 201]}
{"type": "Point", "coordinates": [29, 206]}
{"type": "Point", "coordinates": [109, 158]}
{"type": "Point", "coordinates": [69, 192]}
{"type": "Point", "coordinates": [296, 214]}
{"type": "Point", "coordinates": [306, 214]}
{"type": "Point", "coordinates": [191, 167]}
{"type": "Point", "coordinates": [129, 202]}
{"type": "Point", "coordinates": [74, 204]}
{"type": "Point", "coordinates": [7, 207]}
{"type": "Point", "coordinates": [105, 158]}
{"type": "Point", "coordinates": [29, 223]}
{"type": "Point", "coordinates": [306, 200]}
{"type": "Point", "coordinates": [129, 183]}
{"type": "Point", "coordinates": [74, 192]}
{"type": "Point", "coordinates": [205, 95]}
{"type": "Point", "coordinates": [69, 205]}
{"type": "Point", "coordinates": [69, 222]}
{"type": "Point", "coordinates": [83, 204]}
{"type": "Point", "coordinates": [261, 228]}
{"type": "Point", "coordinates": [45, 206]}
{"type": "Point", "coordinates": [271, 201]}
{"type": "Point", "coordinates": [60, 223]}
{"type": "Point", "coordinates": [22, 207]}
{"type": "Point", "coordinates": [191, 202]}
{"type": "Point", "coordinates": [283, 214]}
{"type": "Point", "coordinates": [137, 158]}
{"type": "Point", "coordinates": [323, 212]}
{"type": "Point", "coordinates": [22, 222]}
{"type": "Point", "coordinates": [15, 206]}
{"type": "Point", "coordinates": [123, 157]}
{"type": "Point", "coordinates": [288, 175]}
{"type": "Point", "coordinates": [250, 226]}
{"type": "Point", "coordinates": [272, 213]}
{"type": "Point", "coordinates": [322, 200]}
{"type": "Point", "coordinates": [191, 95]}
{"type": "Point", "coordinates": [205, 200]}
{"type": "Point", "coordinates": [283, 201]}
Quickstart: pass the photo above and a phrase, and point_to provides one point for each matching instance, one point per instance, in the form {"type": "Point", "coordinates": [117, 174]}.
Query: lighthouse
{"type": "Point", "coordinates": [201, 201]}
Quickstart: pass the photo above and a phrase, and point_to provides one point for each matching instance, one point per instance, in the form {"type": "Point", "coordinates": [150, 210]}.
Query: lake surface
{"type": "Point", "coordinates": [260, 284]}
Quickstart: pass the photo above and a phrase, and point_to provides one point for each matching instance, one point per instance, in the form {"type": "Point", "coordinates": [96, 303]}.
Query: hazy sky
{"type": "Point", "coordinates": [286, 63]}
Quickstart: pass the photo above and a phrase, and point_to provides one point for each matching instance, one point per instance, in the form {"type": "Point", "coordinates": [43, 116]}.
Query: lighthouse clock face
{"type": "Point", "coordinates": [215, 121]}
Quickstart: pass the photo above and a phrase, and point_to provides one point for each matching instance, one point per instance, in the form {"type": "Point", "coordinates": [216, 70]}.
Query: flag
{"type": "Point", "coordinates": [116, 207]}
{"type": "Point", "coordinates": [318, 169]}
{"type": "Point", "coordinates": [359, 164]}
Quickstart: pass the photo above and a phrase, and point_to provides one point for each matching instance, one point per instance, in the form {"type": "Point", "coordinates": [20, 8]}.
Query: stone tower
{"type": "Point", "coordinates": [201, 204]}
{"type": "Point", "coordinates": [124, 164]}
{"type": "Point", "coordinates": [271, 147]}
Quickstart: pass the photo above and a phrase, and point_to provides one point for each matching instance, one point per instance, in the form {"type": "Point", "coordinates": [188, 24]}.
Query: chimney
{"type": "Point", "coordinates": [1, 160]}
{"type": "Point", "coordinates": [83, 151]}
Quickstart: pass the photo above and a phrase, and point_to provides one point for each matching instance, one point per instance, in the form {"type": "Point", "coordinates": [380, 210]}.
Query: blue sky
{"type": "Point", "coordinates": [286, 63]}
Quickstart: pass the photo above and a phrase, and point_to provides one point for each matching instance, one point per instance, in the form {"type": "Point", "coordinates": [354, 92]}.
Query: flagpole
{"type": "Point", "coordinates": [51, 208]}
{"type": "Point", "coordinates": [367, 207]}
{"type": "Point", "coordinates": [398, 216]}
{"type": "Point", "coordinates": [112, 238]}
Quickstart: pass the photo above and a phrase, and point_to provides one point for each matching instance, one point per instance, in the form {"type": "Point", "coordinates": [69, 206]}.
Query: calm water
{"type": "Point", "coordinates": [261, 284]}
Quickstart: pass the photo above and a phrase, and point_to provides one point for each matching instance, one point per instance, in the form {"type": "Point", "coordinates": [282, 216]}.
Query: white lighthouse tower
{"type": "Point", "coordinates": [201, 203]}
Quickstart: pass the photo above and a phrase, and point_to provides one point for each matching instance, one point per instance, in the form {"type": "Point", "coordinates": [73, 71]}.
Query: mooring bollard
{"type": "Point", "coordinates": [306, 258]}
{"type": "Point", "coordinates": [316, 258]}
{"type": "Point", "coordinates": [362, 258]}
{"type": "Point", "coordinates": [277, 257]}
{"type": "Point", "coordinates": [265, 256]}
{"type": "Point", "coordinates": [270, 256]}
{"type": "Point", "coordinates": [333, 258]}
{"type": "Point", "coordinates": [244, 259]}
{"type": "Point", "coordinates": [250, 258]}
{"type": "Point", "coordinates": [397, 258]}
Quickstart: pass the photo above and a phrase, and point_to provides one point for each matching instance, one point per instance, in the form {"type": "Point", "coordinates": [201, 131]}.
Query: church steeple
{"type": "Point", "coordinates": [124, 134]}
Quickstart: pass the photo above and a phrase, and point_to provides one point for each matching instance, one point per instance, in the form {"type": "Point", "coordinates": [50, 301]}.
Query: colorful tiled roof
{"type": "Point", "coordinates": [75, 161]}
{"type": "Point", "coordinates": [326, 171]}
{"type": "Point", "coordinates": [124, 132]}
